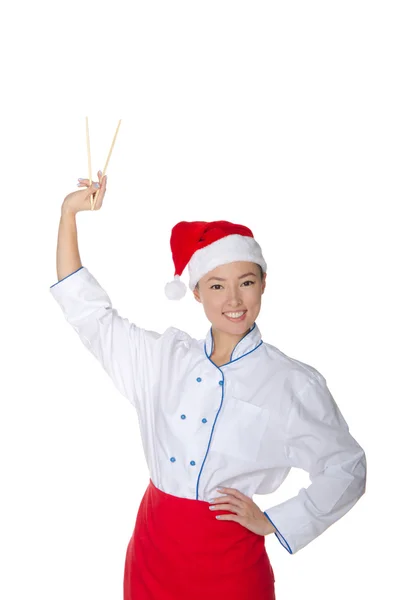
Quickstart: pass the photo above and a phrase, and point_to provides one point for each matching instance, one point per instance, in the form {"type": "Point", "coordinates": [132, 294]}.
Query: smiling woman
{"type": "Point", "coordinates": [225, 410]}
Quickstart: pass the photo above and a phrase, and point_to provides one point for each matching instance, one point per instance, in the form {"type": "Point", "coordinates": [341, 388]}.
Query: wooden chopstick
{"type": "Point", "coordinates": [107, 161]}
{"type": "Point", "coordinates": [89, 155]}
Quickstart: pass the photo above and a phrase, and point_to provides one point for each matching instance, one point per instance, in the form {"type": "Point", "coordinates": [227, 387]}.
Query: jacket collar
{"type": "Point", "coordinates": [247, 344]}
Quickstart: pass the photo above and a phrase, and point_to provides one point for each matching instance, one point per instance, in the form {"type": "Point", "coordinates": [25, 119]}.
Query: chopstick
{"type": "Point", "coordinates": [107, 160]}
{"type": "Point", "coordinates": [87, 135]}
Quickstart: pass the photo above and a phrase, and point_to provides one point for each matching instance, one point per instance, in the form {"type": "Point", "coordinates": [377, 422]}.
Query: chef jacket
{"type": "Point", "coordinates": [242, 425]}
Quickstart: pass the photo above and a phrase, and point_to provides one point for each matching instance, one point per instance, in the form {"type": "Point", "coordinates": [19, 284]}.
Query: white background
{"type": "Point", "coordinates": [277, 115]}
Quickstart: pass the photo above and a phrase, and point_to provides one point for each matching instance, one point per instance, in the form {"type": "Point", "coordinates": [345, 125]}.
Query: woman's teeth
{"type": "Point", "coordinates": [235, 315]}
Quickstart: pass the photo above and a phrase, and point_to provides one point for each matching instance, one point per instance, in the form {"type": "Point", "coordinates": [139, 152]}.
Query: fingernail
{"type": "Point", "coordinates": [96, 185]}
{"type": "Point", "coordinates": [80, 179]}
{"type": "Point", "coordinates": [100, 173]}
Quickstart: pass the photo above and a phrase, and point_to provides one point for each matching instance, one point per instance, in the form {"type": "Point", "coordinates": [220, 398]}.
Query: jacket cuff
{"type": "Point", "coordinates": [279, 535]}
{"type": "Point", "coordinates": [66, 277]}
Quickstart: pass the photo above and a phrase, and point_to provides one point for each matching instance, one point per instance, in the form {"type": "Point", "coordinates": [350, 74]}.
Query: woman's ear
{"type": "Point", "coordinates": [264, 282]}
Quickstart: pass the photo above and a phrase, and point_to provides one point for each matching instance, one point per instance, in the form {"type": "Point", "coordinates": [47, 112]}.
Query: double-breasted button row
{"type": "Point", "coordinates": [204, 420]}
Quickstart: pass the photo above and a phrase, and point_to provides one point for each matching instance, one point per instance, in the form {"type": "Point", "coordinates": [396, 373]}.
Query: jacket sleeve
{"type": "Point", "coordinates": [123, 349]}
{"type": "Point", "coordinates": [318, 441]}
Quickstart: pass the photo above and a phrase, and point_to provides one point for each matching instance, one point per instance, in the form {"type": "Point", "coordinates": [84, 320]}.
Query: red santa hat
{"type": "Point", "coordinates": [203, 246]}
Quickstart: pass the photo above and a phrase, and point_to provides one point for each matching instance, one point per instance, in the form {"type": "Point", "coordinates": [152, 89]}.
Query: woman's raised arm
{"type": "Point", "coordinates": [124, 350]}
{"type": "Point", "coordinates": [68, 257]}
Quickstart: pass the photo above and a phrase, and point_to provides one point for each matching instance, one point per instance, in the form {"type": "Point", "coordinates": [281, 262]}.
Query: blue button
{"type": "Point", "coordinates": [204, 420]}
{"type": "Point", "coordinates": [192, 462]}
{"type": "Point", "coordinates": [183, 416]}
{"type": "Point", "coordinates": [198, 379]}
{"type": "Point", "coordinates": [172, 459]}
{"type": "Point", "coordinates": [220, 382]}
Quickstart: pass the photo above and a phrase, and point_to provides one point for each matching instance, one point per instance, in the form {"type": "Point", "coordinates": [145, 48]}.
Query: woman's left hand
{"type": "Point", "coordinates": [248, 513]}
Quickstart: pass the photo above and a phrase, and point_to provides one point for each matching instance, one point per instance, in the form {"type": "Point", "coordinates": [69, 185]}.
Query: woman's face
{"type": "Point", "coordinates": [232, 287]}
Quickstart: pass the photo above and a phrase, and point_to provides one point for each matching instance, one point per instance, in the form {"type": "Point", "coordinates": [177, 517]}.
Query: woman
{"type": "Point", "coordinates": [221, 419]}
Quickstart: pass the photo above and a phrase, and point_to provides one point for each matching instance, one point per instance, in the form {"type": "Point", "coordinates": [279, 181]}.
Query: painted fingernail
{"type": "Point", "coordinates": [96, 185]}
{"type": "Point", "coordinates": [100, 173]}
{"type": "Point", "coordinates": [80, 179]}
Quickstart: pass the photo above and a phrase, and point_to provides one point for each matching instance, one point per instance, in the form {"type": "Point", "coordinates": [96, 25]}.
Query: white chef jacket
{"type": "Point", "coordinates": [241, 425]}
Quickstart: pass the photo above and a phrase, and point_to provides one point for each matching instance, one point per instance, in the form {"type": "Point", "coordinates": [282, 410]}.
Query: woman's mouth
{"type": "Point", "coordinates": [235, 317]}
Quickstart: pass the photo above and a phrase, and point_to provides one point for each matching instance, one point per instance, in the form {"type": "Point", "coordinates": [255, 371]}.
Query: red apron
{"type": "Point", "coordinates": [180, 551]}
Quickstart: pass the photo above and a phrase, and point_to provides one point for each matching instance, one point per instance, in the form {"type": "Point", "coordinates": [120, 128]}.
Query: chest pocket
{"type": "Point", "coordinates": [239, 429]}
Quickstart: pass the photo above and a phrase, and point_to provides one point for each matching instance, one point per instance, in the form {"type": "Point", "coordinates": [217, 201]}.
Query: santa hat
{"type": "Point", "coordinates": [203, 246]}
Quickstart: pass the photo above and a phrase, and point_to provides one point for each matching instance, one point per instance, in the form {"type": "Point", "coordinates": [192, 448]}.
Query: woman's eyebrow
{"type": "Point", "coordinates": [221, 279]}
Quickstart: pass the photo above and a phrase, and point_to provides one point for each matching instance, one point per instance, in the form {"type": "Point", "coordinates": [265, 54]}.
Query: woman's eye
{"type": "Point", "coordinates": [219, 285]}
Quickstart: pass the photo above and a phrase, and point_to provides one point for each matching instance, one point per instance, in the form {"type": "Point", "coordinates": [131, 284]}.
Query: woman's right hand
{"type": "Point", "coordinates": [78, 201]}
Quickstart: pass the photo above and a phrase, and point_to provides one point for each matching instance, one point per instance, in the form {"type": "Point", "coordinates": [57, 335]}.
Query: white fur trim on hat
{"type": "Point", "coordinates": [228, 249]}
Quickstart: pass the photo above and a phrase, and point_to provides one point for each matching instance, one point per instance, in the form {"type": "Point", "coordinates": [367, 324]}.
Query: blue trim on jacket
{"type": "Point", "coordinates": [66, 277]}
{"type": "Point", "coordinates": [279, 536]}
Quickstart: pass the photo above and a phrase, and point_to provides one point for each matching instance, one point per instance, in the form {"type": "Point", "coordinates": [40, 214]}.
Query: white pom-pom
{"type": "Point", "coordinates": [175, 290]}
